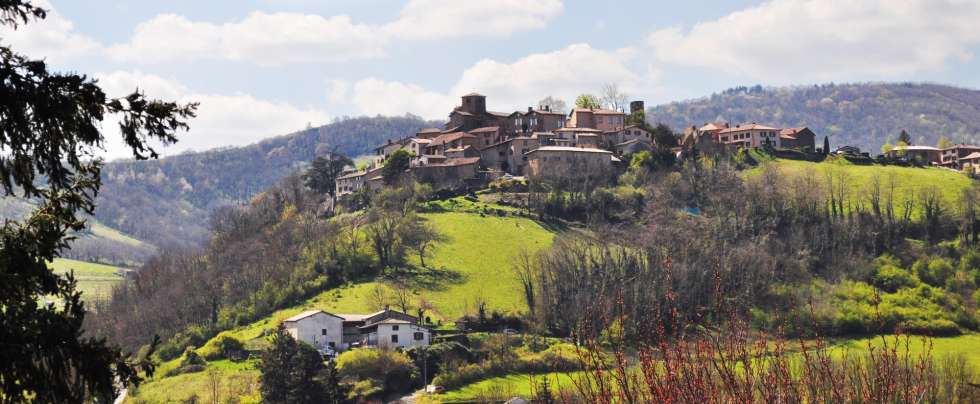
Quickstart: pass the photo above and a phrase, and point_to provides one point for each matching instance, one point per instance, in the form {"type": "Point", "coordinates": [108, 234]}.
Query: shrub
{"type": "Point", "coordinates": [190, 362]}
{"type": "Point", "coordinates": [891, 278]}
{"type": "Point", "coordinates": [393, 371]}
{"type": "Point", "coordinates": [934, 271]}
{"type": "Point", "coordinates": [223, 347]}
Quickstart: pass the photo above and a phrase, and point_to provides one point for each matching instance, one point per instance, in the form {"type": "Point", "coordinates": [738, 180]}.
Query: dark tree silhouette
{"type": "Point", "coordinates": [323, 172]}
{"type": "Point", "coordinates": [826, 145]}
{"type": "Point", "coordinates": [395, 166]}
{"type": "Point", "coordinates": [49, 134]}
{"type": "Point", "coordinates": [905, 137]}
{"type": "Point", "coordinates": [291, 373]}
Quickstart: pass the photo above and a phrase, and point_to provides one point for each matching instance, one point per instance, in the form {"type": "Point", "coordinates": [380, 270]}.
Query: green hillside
{"type": "Point", "coordinates": [479, 251]}
{"type": "Point", "coordinates": [858, 178]}
{"type": "Point", "coordinates": [95, 281]}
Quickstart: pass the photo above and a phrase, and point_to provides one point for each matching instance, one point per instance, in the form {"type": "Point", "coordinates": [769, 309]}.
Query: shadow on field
{"type": "Point", "coordinates": [427, 278]}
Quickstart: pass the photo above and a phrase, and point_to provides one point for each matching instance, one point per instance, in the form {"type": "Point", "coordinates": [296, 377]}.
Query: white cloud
{"type": "Point", "coordinates": [374, 96]}
{"type": "Point", "coordinates": [284, 38]}
{"type": "Point", "coordinates": [53, 38]}
{"type": "Point", "coordinates": [437, 19]}
{"type": "Point", "coordinates": [564, 73]}
{"type": "Point", "coordinates": [785, 41]}
{"type": "Point", "coordinates": [261, 38]}
{"type": "Point", "coordinates": [222, 120]}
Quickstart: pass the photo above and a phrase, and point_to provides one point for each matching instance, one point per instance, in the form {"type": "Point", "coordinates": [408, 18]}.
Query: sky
{"type": "Point", "coordinates": [261, 68]}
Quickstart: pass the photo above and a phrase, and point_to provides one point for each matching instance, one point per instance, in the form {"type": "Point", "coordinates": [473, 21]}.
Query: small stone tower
{"type": "Point", "coordinates": [636, 106]}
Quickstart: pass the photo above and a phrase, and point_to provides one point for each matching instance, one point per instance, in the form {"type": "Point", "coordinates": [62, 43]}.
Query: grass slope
{"type": "Point", "coordinates": [94, 280]}
{"type": "Point", "coordinates": [478, 249]}
{"type": "Point", "coordinates": [523, 384]}
{"type": "Point", "coordinates": [908, 180]}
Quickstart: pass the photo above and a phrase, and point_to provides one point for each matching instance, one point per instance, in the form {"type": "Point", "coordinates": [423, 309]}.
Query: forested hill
{"type": "Point", "coordinates": [166, 202]}
{"type": "Point", "coordinates": [863, 115]}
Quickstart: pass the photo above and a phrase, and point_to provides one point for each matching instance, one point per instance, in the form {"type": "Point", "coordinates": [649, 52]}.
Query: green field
{"type": "Point", "coordinates": [858, 178]}
{"type": "Point", "coordinates": [94, 280]}
{"type": "Point", "coordinates": [100, 230]}
{"type": "Point", "coordinates": [478, 252]}
{"type": "Point", "coordinates": [967, 346]}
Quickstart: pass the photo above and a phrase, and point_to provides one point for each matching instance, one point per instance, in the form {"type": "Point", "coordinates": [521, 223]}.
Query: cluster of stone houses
{"type": "Point", "coordinates": [477, 143]}
{"type": "Point", "coordinates": [387, 329]}
{"type": "Point", "coordinates": [537, 142]}
{"type": "Point", "coordinates": [750, 135]}
{"type": "Point", "coordinates": [957, 157]}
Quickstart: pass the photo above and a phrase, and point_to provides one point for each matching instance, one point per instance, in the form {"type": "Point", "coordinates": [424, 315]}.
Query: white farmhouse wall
{"type": "Point", "coordinates": [405, 333]}
{"type": "Point", "coordinates": [319, 330]}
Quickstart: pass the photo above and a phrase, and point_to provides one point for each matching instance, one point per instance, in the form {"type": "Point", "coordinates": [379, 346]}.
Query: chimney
{"type": "Point", "coordinates": [387, 308]}
{"type": "Point", "coordinates": [529, 109]}
{"type": "Point", "coordinates": [547, 108]}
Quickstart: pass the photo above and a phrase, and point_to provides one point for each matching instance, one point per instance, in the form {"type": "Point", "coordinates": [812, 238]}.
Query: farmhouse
{"type": "Point", "coordinates": [317, 328]}
{"type": "Point", "coordinates": [386, 328]}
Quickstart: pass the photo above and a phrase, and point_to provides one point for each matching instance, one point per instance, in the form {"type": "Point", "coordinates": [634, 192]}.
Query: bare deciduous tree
{"type": "Point", "coordinates": [613, 98]}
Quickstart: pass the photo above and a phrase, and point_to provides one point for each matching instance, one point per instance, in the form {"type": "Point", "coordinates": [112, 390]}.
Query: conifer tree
{"type": "Point", "coordinates": [50, 140]}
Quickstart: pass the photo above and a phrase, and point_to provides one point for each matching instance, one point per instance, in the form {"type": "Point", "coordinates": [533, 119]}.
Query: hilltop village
{"type": "Point", "coordinates": [477, 145]}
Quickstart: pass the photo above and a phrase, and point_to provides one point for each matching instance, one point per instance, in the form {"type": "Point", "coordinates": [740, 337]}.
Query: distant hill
{"type": "Point", "coordinates": [863, 115]}
{"type": "Point", "coordinates": [166, 202]}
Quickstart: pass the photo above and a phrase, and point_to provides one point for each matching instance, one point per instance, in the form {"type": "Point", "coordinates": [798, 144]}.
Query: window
{"type": "Point", "coordinates": [394, 338]}
{"type": "Point", "coordinates": [394, 328]}
{"type": "Point", "coordinates": [419, 336]}
{"type": "Point", "coordinates": [331, 344]}
{"type": "Point", "coordinates": [323, 331]}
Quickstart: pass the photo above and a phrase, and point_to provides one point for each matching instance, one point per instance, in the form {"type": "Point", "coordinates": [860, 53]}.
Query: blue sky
{"type": "Point", "coordinates": [267, 67]}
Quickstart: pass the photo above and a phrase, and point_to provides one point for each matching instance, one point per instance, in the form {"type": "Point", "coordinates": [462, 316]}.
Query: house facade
{"type": "Point", "coordinates": [542, 119]}
{"type": "Point", "coordinates": [951, 156]}
{"type": "Point", "coordinates": [384, 329]}
{"type": "Point", "coordinates": [508, 156]}
{"type": "Point", "coordinates": [569, 162]}
{"type": "Point", "coordinates": [317, 328]}
{"type": "Point", "coordinates": [604, 120]}
{"type": "Point", "coordinates": [749, 136]}
{"type": "Point", "coordinates": [395, 333]}
{"type": "Point", "coordinates": [801, 138]}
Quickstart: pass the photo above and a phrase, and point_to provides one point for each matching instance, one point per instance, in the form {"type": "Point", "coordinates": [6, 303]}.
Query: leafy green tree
{"type": "Point", "coordinates": [50, 136]}
{"type": "Point", "coordinates": [293, 372]}
{"type": "Point", "coordinates": [323, 172]}
{"type": "Point", "coordinates": [587, 101]}
{"type": "Point", "coordinates": [887, 148]}
{"type": "Point", "coordinates": [395, 166]}
{"type": "Point", "coordinates": [662, 135]}
{"type": "Point", "coordinates": [944, 143]}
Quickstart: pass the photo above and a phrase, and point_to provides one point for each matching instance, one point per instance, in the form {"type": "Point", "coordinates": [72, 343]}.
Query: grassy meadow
{"type": "Point", "coordinates": [858, 178]}
{"type": "Point", "coordinates": [95, 281]}
{"type": "Point", "coordinates": [478, 253]}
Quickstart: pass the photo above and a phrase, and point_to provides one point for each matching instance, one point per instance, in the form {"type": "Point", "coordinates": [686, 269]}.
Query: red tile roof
{"type": "Point", "coordinates": [450, 137]}
{"type": "Point", "coordinates": [485, 129]}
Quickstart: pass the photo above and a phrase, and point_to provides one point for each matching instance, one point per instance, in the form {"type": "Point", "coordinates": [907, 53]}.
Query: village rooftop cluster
{"type": "Point", "coordinates": [478, 144]}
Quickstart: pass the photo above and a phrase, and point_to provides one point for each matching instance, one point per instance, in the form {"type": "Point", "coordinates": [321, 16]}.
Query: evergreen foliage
{"type": "Point", "coordinates": [49, 134]}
